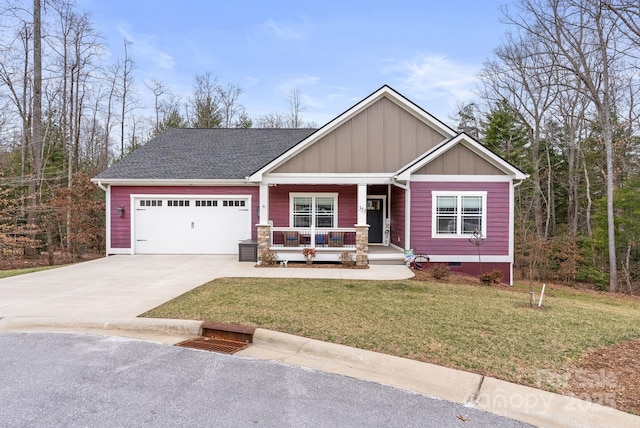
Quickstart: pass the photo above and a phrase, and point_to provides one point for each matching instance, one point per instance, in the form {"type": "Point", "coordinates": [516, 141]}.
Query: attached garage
{"type": "Point", "coordinates": [190, 224]}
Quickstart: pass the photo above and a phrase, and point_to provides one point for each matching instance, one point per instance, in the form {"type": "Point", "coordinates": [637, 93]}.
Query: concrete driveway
{"type": "Point", "coordinates": [126, 286]}
{"type": "Point", "coordinates": [117, 286]}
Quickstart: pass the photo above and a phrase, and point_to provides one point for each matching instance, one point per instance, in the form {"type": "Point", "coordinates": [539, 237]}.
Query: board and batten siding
{"type": "Point", "coordinates": [459, 160]}
{"type": "Point", "coordinates": [279, 207]}
{"type": "Point", "coordinates": [382, 138]}
{"type": "Point", "coordinates": [121, 196]}
{"type": "Point", "coordinates": [497, 234]}
{"type": "Point", "coordinates": [398, 226]}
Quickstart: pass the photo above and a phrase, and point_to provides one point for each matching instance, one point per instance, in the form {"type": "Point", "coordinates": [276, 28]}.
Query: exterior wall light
{"type": "Point", "coordinates": [121, 211]}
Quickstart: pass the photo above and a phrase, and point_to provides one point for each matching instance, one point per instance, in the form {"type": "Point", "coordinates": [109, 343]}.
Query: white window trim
{"type": "Point", "coordinates": [293, 195]}
{"type": "Point", "coordinates": [458, 195]}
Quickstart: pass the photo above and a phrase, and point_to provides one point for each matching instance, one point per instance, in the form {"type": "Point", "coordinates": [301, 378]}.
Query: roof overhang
{"type": "Point", "coordinates": [347, 179]}
{"type": "Point", "coordinates": [162, 182]}
{"type": "Point", "coordinates": [383, 92]}
{"type": "Point", "coordinates": [405, 173]}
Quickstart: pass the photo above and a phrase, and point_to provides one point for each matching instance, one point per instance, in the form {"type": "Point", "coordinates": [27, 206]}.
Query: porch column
{"type": "Point", "coordinates": [264, 204]}
{"type": "Point", "coordinates": [362, 205]}
{"type": "Point", "coordinates": [362, 228]}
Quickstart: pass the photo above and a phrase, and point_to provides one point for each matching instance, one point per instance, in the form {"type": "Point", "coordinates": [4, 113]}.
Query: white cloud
{"type": "Point", "coordinates": [287, 30]}
{"type": "Point", "coordinates": [300, 81]}
{"type": "Point", "coordinates": [143, 49]}
{"type": "Point", "coordinates": [437, 79]}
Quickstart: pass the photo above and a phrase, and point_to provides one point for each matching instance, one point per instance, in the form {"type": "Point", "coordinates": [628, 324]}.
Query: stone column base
{"type": "Point", "coordinates": [264, 240]}
{"type": "Point", "coordinates": [362, 245]}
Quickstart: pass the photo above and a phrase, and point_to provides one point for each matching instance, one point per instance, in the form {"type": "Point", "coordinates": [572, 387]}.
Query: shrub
{"type": "Point", "coordinates": [440, 271]}
{"type": "Point", "coordinates": [347, 260]}
{"type": "Point", "coordinates": [493, 277]}
{"type": "Point", "coordinates": [309, 254]}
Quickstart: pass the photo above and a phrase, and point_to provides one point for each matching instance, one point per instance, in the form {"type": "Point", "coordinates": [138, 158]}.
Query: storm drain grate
{"type": "Point", "coordinates": [214, 344]}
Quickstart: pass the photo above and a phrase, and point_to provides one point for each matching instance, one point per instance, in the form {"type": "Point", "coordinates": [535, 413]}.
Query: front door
{"type": "Point", "coordinates": [375, 219]}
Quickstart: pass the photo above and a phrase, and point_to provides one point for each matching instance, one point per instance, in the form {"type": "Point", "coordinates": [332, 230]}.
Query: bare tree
{"type": "Point", "coordinates": [295, 108]}
{"type": "Point", "coordinates": [273, 120]}
{"type": "Point", "coordinates": [629, 13]}
{"type": "Point", "coordinates": [521, 76]}
{"type": "Point", "coordinates": [205, 108]}
{"type": "Point", "coordinates": [127, 82]}
{"type": "Point", "coordinates": [36, 143]}
{"type": "Point", "coordinates": [582, 37]}
{"type": "Point", "coordinates": [158, 89]}
{"type": "Point", "coordinates": [229, 107]}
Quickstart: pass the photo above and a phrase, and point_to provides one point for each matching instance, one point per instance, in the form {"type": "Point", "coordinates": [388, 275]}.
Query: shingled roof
{"type": "Point", "coordinates": [205, 154]}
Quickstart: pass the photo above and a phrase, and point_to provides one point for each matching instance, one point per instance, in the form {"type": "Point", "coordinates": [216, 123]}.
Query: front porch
{"type": "Point", "coordinates": [329, 244]}
{"type": "Point", "coordinates": [333, 219]}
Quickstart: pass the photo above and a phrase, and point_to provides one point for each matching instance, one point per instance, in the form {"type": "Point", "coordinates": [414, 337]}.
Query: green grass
{"type": "Point", "coordinates": [487, 330]}
{"type": "Point", "coordinates": [14, 272]}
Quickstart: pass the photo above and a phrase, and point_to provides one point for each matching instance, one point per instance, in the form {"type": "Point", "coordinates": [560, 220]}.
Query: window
{"type": "Point", "coordinates": [459, 213]}
{"type": "Point", "coordinates": [318, 210]}
{"type": "Point", "coordinates": [233, 203]}
{"type": "Point", "coordinates": [207, 203]}
{"type": "Point", "coordinates": [178, 203]}
{"type": "Point", "coordinates": [150, 203]}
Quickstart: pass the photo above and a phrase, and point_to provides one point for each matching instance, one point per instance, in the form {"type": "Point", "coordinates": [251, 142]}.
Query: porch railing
{"type": "Point", "coordinates": [313, 237]}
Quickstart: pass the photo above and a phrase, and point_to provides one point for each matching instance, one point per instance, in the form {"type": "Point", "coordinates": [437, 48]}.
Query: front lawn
{"type": "Point", "coordinates": [487, 330]}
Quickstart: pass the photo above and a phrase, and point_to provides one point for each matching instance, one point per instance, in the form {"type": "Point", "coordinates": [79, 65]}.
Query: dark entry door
{"type": "Point", "coordinates": [375, 219]}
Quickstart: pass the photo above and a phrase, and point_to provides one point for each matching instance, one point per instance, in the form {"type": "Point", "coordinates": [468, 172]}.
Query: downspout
{"type": "Point", "coordinates": [100, 185]}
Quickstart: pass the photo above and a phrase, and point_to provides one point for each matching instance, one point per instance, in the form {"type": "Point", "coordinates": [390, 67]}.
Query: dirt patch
{"type": "Point", "coordinates": [609, 376]}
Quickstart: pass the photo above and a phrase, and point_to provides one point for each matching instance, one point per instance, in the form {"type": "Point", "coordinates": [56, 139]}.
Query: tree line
{"type": "Point", "coordinates": [559, 100]}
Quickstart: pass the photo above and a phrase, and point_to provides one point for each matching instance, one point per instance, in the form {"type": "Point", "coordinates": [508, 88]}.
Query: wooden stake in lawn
{"type": "Point", "coordinates": [477, 240]}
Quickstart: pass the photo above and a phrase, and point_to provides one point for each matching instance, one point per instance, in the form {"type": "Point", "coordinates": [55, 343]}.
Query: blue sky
{"type": "Point", "coordinates": [335, 52]}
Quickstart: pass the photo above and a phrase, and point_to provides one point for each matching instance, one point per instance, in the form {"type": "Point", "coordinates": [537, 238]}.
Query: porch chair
{"type": "Point", "coordinates": [336, 239]}
{"type": "Point", "coordinates": [291, 239]}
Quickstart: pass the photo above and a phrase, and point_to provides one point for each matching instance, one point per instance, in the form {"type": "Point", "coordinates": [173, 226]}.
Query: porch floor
{"type": "Point", "coordinates": [381, 255]}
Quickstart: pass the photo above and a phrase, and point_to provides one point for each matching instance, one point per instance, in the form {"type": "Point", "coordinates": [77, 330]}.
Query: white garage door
{"type": "Point", "coordinates": [191, 225]}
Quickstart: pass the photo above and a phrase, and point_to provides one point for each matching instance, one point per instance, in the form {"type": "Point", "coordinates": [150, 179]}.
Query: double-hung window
{"type": "Point", "coordinates": [314, 209]}
{"type": "Point", "coordinates": [458, 214]}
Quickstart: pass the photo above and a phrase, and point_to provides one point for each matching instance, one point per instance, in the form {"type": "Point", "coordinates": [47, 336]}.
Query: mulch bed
{"type": "Point", "coordinates": [609, 376]}
{"type": "Point", "coordinates": [316, 265]}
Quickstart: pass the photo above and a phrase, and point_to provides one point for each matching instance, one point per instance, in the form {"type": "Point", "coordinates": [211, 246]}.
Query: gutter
{"type": "Point", "coordinates": [100, 185]}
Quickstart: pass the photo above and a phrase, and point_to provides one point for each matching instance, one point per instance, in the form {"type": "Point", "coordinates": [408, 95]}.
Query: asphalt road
{"type": "Point", "coordinates": [54, 379]}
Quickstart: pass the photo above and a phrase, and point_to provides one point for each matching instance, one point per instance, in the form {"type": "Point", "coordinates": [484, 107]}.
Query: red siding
{"type": "Point", "coordinates": [347, 202]}
{"type": "Point", "coordinates": [497, 234]}
{"type": "Point", "coordinates": [120, 195]}
{"type": "Point", "coordinates": [397, 216]}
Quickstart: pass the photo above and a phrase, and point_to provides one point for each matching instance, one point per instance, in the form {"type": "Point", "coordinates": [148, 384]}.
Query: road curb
{"type": "Point", "coordinates": [430, 379]}
{"type": "Point", "coordinates": [526, 404]}
{"type": "Point", "coordinates": [162, 330]}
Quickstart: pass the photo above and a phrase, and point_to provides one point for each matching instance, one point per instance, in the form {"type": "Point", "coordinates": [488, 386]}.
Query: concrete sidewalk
{"type": "Point", "coordinates": [492, 395]}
